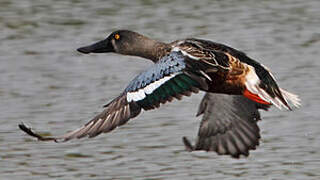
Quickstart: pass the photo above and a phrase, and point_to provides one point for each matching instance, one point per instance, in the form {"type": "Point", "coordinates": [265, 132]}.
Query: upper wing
{"type": "Point", "coordinates": [162, 82]}
{"type": "Point", "coordinates": [229, 125]}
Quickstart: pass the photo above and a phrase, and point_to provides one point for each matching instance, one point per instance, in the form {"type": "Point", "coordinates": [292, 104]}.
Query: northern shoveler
{"type": "Point", "coordinates": [229, 125]}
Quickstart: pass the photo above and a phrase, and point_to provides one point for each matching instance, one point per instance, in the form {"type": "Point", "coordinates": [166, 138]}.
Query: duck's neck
{"type": "Point", "coordinates": [155, 50]}
{"type": "Point", "coordinates": [148, 48]}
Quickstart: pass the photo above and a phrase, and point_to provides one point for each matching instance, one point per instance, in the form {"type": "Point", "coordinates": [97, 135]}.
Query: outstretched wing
{"type": "Point", "coordinates": [117, 113]}
{"type": "Point", "coordinates": [229, 125]}
{"type": "Point", "coordinates": [165, 80]}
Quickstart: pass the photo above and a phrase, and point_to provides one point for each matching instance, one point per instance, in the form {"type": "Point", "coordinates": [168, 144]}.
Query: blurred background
{"type": "Point", "coordinates": [45, 83]}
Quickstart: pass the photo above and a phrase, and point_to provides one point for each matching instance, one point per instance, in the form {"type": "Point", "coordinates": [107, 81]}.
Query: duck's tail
{"type": "Point", "coordinates": [292, 98]}
{"type": "Point", "coordinates": [268, 92]}
{"type": "Point", "coordinates": [260, 96]}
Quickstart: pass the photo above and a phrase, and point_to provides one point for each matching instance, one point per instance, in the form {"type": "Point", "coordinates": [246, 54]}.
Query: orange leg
{"type": "Point", "coordinates": [254, 97]}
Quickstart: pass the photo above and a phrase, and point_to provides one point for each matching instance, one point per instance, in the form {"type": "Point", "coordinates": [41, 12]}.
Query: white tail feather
{"type": "Point", "coordinates": [292, 98]}
{"type": "Point", "coordinates": [252, 85]}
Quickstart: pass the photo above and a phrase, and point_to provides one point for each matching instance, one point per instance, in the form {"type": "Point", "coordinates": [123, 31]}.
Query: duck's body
{"type": "Point", "coordinates": [236, 73]}
{"type": "Point", "coordinates": [183, 67]}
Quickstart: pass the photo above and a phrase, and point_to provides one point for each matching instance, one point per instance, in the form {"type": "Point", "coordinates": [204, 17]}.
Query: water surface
{"type": "Point", "coordinates": [47, 84]}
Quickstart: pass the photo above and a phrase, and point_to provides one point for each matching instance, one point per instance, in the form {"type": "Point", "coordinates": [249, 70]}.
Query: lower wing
{"type": "Point", "coordinates": [229, 125]}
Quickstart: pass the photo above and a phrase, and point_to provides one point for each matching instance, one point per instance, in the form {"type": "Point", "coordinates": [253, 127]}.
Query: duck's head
{"type": "Point", "coordinates": [125, 42]}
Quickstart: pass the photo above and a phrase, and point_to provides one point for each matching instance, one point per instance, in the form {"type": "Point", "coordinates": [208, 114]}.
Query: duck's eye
{"type": "Point", "coordinates": [117, 36]}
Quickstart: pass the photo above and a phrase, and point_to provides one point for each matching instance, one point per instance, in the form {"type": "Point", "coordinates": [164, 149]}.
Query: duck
{"type": "Point", "coordinates": [236, 87]}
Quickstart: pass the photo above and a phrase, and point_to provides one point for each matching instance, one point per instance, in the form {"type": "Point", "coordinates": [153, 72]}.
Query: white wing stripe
{"type": "Point", "coordinates": [141, 93]}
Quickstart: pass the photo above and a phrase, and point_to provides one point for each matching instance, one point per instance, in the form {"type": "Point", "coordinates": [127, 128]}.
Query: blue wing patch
{"type": "Point", "coordinates": [161, 82]}
{"type": "Point", "coordinates": [170, 64]}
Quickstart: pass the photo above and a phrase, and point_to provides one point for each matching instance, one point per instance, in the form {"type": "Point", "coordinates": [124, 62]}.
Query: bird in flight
{"type": "Point", "coordinates": [236, 88]}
